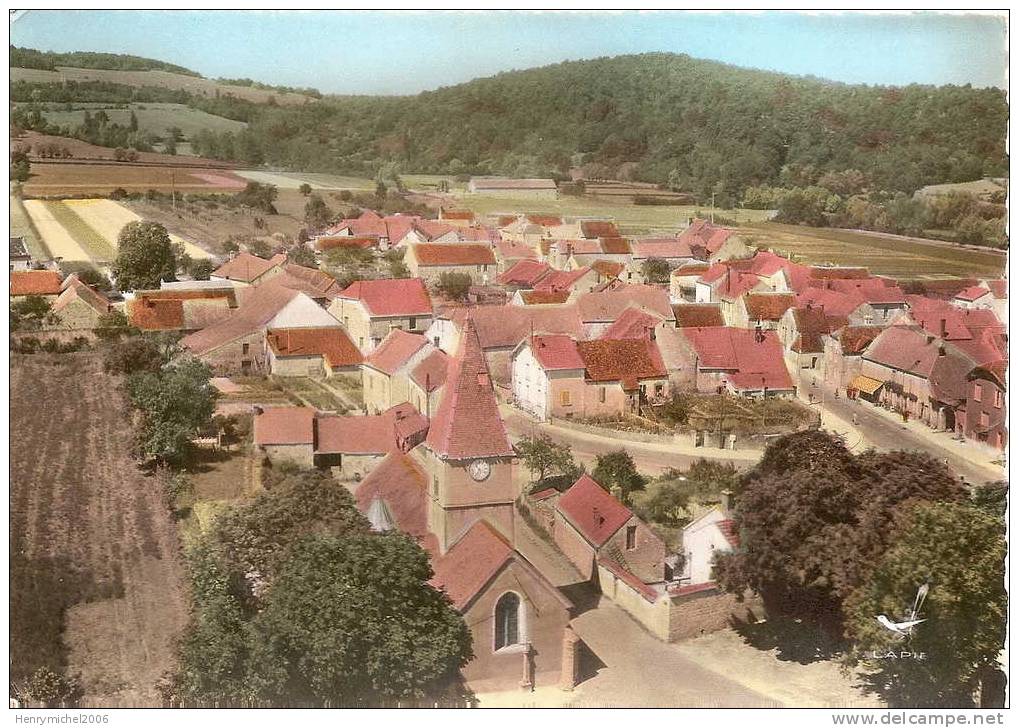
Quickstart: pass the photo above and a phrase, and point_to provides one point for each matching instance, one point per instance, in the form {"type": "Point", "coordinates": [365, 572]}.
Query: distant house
{"type": "Point", "coordinates": [44, 283]}
{"type": "Point", "coordinates": [508, 253]}
{"type": "Point", "coordinates": [456, 218]}
{"type": "Point", "coordinates": [430, 260]}
{"type": "Point", "coordinates": [20, 258]}
{"type": "Point", "coordinates": [310, 352]}
{"type": "Point", "coordinates": [236, 342]}
{"type": "Point", "coordinates": [599, 309]}
{"type": "Point", "coordinates": [249, 270]}
{"type": "Point", "coordinates": [79, 307]}
{"type": "Point", "coordinates": [538, 189]}
{"type": "Point", "coordinates": [592, 229]}
{"type": "Point", "coordinates": [698, 315]}
{"type": "Point", "coordinates": [579, 280]}
{"type": "Point", "coordinates": [180, 309]}
{"type": "Point", "coordinates": [369, 310]}
{"type": "Point", "coordinates": [982, 417]}
{"type": "Point", "coordinates": [523, 274]}
{"type": "Point", "coordinates": [591, 524]}
{"type": "Point", "coordinates": [802, 330]}
{"type": "Point", "coordinates": [974, 297]}
{"type": "Point", "coordinates": [540, 298]}
{"type": "Point", "coordinates": [683, 281]}
{"type": "Point", "coordinates": [762, 310]}
{"type": "Point", "coordinates": [714, 243]}
{"type": "Point", "coordinates": [711, 533]}
{"type": "Point", "coordinates": [842, 358]}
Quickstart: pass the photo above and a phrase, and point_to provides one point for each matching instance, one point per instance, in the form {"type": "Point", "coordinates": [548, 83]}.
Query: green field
{"type": "Point", "coordinates": [154, 118]}
{"type": "Point", "coordinates": [92, 242]}
{"type": "Point", "coordinates": [883, 255]}
{"type": "Point", "coordinates": [21, 226]}
{"type": "Point", "coordinates": [317, 180]}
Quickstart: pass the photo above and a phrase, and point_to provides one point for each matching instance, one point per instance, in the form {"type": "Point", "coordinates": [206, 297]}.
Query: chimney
{"type": "Point", "coordinates": [941, 350]}
{"type": "Point", "coordinates": [943, 329]}
{"type": "Point", "coordinates": [727, 501]}
{"type": "Point", "coordinates": [257, 409]}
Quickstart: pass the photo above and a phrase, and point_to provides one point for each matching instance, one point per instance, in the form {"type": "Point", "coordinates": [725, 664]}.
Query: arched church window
{"type": "Point", "coordinates": [507, 620]}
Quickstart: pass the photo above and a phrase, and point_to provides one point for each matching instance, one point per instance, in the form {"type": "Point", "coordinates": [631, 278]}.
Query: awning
{"type": "Point", "coordinates": [866, 384]}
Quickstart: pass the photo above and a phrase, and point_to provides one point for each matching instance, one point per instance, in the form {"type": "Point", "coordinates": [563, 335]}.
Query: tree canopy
{"type": "Point", "coordinates": [145, 256]}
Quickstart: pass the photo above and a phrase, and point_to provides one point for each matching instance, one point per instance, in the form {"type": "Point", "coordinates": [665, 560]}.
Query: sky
{"type": "Point", "coordinates": [408, 52]}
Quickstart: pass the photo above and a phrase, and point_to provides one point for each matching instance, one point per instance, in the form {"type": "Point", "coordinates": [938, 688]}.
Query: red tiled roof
{"type": "Point", "coordinates": [593, 511]}
{"type": "Point", "coordinates": [615, 245]}
{"type": "Point", "coordinates": [430, 373]}
{"type": "Point", "coordinates": [634, 323]}
{"type": "Point", "coordinates": [403, 486]}
{"type": "Point", "coordinates": [256, 309]}
{"type": "Point", "coordinates": [395, 350]}
{"type": "Point", "coordinates": [544, 298]}
{"type": "Point", "coordinates": [972, 293]}
{"type": "Point", "coordinates": [512, 250]}
{"type": "Point", "coordinates": [546, 220]}
{"type": "Point", "coordinates": [35, 283]}
{"type": "Point", "coordinates": [664, 248]}
{"type": "Point", "coordinates": [368, 434]}
{"type": "Point", "coordinates": [728, 529]}
{"type": "Point", "coordinates": [346, 241]}
{"type": "Point", "coordinates": [695, 314]}
{"type": "Point", "coordinates": [687, 589]}
{"type": "Point", "coordinates": [467, 423]}
{"type": "Point", "coordinates": [691, 269]}
{"type": "Point", "coordinates": [609, 305]}
{"type": "Point", "coordinates": [598, 229]}
{"type": "Point", "coordinates": [501, 327]}
{"type": "Point", "coordinates": [285, 426]}
{"type": "Point", "coordinates": [332, 343]}
{"type": "Point", "coordinates": [561, 280]}
{"type": "Point", "coordinates": [246, 267]}
{"type": "Point", "coordinates": [854, 339]}
{"type": "Point", "coordinates": [456, 214]}
{"type": "Point", "coordinates": [471, 563]}
{"type": "Point", "coordinates": [835, 303]}
{"type": "Point", "coordinates": [608, 268]}
{"type": "Point", "coordinates": [768, 306]}
{"type": "Point", "coordinates": [75, 290]}
{"type": "Point", "coordinates": [749, 358]}
{"type": "Point", "coordinates": [555, 352]}
{"type": "Point", "coordinates": [624, 360]}
{"type": "Point", "coordinates": [525, 273]}
{"type": "Point", "coordinates": [703, 234]}
{"type": "Point", "coordinates": [229, 294]}
{"type": "Point", "coordinates": [312, 281]}
{"type": "Point", "coordinates": [452, 254]}
{"type": "Point", "coordinates": [391, 296]}
{"type": "Point", "coordinates": [156, 314]}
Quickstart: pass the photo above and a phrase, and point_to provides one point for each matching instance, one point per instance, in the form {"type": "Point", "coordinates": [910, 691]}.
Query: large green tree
{"type": "Point", "coordinates": [546, 458]}
{"type": "Point", "coordinates": [616, 469]}
{"type": "Point", "coordinates": [957, 551]}
{"type": "Point", "coordinates": [175, 404]}
{"type": "Point", "coordinates": [145, 256]}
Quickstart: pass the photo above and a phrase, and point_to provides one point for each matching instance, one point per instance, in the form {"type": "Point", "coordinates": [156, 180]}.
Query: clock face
{"type": "Point", "coordinates": [479, 469]}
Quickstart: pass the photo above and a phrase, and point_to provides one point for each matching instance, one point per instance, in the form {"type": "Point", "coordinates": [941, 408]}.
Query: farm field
{"type": "Point", "coordinates": [159, 79]}
{"type": "Point", "coordinates": [32, 142]}
{"type": "Point", "coordinates": [21, 226]}
{"type": "Point", "coordinates": [884, 255]}
{"type": "Point", "coordinates": [76, 178]}
{"type": "Point", "coordinates": [317, 180]}
{"type": "Point", "coordinates": [96, 582]}
{"type": "Point", "coordinates": [87, 230]}
{"type": "Point", "coordinates": [153, 118]}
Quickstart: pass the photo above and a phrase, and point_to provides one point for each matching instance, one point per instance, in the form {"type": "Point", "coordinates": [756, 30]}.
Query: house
{"type": "Point", "coordinates": [318, 285]}
{"type": "Point", "coordinates": [523, 274]}
{"type": "Point", "coordinates": [711, 533]}
{"type": "Point", "coordinates": [430, 260]}
{"type": "Point", "coordinates": [591, 524]}
{"type": "Point", "coordinates": [842, 358]}
{"type": "Point", "coordinates": [540, 298]}
{"type": "Point", "coordinates": [761, 310]}
{"type": "Point", "coordinates": [698, 315]}
{"type": "Point", "coordinates": [46, 284]}
{"type": "Point", "coordinates": [548, 376]}
{"type": "Point", "coordinates": [740, 361]}
{"type": "Point", "coordinates": [386, 231]}
{"type": "Point", "coordinates": [236, 342]}
{"type": "Point", "coordinates": [456, 218]}
{"type": "Point", "coordinates": [350, 446]}
{"type": "Point", "coordinates": [19, 258]}
{"type": "Point", "coordinates": [599, 309]}
{"type": "Point", "coordinates": [79, 307]}
{"type": "Point", "coordinates": [591, 229]}
{"type": "Point", "coordinates": [683, 281]}
{"type": "Point", "coordinates": [509, 252]}
{"type": "Point", "coordinates": [310, 352]}
{"type": "Point", "coordinates": [714, 243]}
{"type": "Point", "coordinates": [535, 189]}
{"type": "Point", "coordinates": [851, 306]}
{"type": "Point", "coordinates": [385, 373]}
{"type": "Point", "coordinates": [974, 297]}
{"type": "Point", "coordinates": [180, 309]}
{"type": "Point", "coordinates": [801, 331]}
{"type": "Point", "coordinates": [982, 417]}
{"type": "Point", "coordinates": [519, 620]}
{"type": "Point", "coordinates": [426, 383]}
{"type": "Point", "coordinates": [249, 270]}
{"type": "Point", "coordinates": [579, 280]}
{"type": "Point", "coordinates": [369, 310]}
{"type": "Point", "coordinates": [621, 375]}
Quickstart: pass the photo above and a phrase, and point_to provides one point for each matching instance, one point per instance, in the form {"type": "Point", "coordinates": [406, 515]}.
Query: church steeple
{"type": "Point", "coordinates": [467, 424]}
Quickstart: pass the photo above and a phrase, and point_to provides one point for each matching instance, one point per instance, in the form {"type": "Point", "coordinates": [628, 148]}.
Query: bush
{"type": "Point", "coordinates": [454, 285]}
{"type": "Point", "coordinates": [50, 687]}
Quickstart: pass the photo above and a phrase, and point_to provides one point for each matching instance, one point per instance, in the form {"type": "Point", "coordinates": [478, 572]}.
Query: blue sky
{"type": "Point", "coordinates": [387, 53]}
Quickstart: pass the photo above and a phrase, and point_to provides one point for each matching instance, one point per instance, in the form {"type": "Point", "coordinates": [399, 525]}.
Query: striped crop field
{"type": "Point", "coordinates": [100, 249]}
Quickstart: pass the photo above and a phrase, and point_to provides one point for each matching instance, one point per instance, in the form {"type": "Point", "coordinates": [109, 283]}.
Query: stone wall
{"type": "Point", "coordinates": [708, 611]}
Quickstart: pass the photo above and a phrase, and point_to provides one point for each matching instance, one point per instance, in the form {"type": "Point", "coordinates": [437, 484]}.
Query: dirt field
{"type": "Point", "coordinates": [96, 581]}
{"type": "Point", "coordinates": [100, 178]}
{"type": "Point", "coordinates": [885, 255]}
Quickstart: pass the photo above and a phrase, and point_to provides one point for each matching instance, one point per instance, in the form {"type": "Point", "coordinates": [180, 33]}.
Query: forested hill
{"type": "Point", "coordinates": [49, 61]}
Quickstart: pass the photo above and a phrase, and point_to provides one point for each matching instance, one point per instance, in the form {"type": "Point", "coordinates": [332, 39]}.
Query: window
{"type": "Point", "coordinates": [507, 621]}
{"type": "Point", "coordinates": [413, 323]}
{"type": "Point", "coordinates": [659, 389]}
{"type": "Point", "coordinates": [998, 398]}
{"type": "Point", "coordinates": [978, 392]}
{"type": "Point", "coordinates": [631, 538]}
{"type": "Point", "coordinates": [245, 348]}
{"type": "Point", "coordinates": [564, 398]}
{"type": "Point", "coordinates": [435, 485]}
{"type": "Point", "coordinates": [985, 419]}
{"type": "Point", "coordinates": [601, 394]}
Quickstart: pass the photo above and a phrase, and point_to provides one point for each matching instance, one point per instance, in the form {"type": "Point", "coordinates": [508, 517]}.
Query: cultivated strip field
{"type": "Point", "coordinates": [59, 242]}
{"type": "Point", "coordinates": [96, 245]}
{"type": "Point", "coordinates": [21, 226]}
{"type": "Point", "coordinates": [96, 581]}
{"type": "Point", "coordinates": [108, 218]}
{"type": "Point", "coordinates": [884, 255]}
{"type": "Point", "coordinates": [51, 179]}
{"type": "Point", "coordinates": [317, 181]}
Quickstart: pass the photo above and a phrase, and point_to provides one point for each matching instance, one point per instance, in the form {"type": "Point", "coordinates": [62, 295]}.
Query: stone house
{"type": "Point", "coordinates": [982, 417]}
{"type": "Point", "coordinates": [47, 284]}
{"type": "Point", "coordinates": [385, 374]}
{"type": "Point", "coordinates": [79, 307]}
{"type": "Point", "coordinates": [310, 352]}
{"type": "Point", "coordinates": [429, 261]}
{"type": "Point", "coordinates": [245, 269]}
{"type": "Point", "coordinates": [740, 361]}
{"type": "Point", "coordinates": [842, 357]}
{"type": "Point", "coordinates": [591, 524]}
{"type": "Point", "coordinates": [369, 310]}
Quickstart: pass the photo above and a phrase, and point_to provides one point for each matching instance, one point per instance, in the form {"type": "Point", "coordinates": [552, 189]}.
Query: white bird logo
{"type": "Point", "coordinates": [905, 627]}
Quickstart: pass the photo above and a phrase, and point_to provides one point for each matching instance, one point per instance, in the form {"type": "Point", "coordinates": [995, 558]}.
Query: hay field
{"type": "Point", "coordinates": [883, 254]}
{"type": "Point", "coordinates": [108, 218]}
{"type": "Point", "coordinates": [52, 179]}
{"type": "Point", "coordinates": [100, 249]}
{"type": "Point", "coordinates": [21, 226]}
{"type": "Point", "coordinates": [317, 180]}
{"type": "Point", "coordinates": [58, 241]}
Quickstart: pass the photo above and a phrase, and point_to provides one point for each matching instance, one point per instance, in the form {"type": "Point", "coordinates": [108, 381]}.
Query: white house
{"type": "Point", "coordinates": [712, 532]}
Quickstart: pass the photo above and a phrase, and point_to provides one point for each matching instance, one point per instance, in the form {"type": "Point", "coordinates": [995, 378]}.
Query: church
{"type": "Point", "coordinates": [456, 494]}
